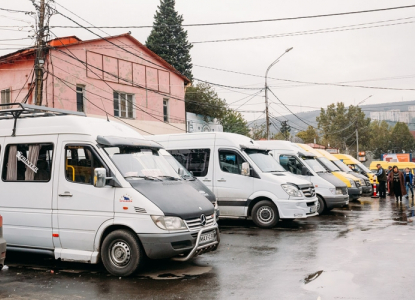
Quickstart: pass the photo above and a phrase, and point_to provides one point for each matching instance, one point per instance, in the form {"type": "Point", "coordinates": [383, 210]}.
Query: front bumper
{"type": "Point", "coordinates": [337, 201]}
{"type": "Point", "coordinates": [181, 245]}
{"type": "Point", "coordinates": [355, 192]}
{"type": "Point", "coordinates": [2, 250]}
{"type": "Point", "coordinates": [297, 209]}
{"type": "Point", "coordinates": [367, 189]}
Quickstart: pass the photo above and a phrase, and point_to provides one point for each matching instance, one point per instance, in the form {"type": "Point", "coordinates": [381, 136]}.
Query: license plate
{"type": "Point", "coordinates": [313, 209]}
{"type": "Point", "coordinates": [208, 237]}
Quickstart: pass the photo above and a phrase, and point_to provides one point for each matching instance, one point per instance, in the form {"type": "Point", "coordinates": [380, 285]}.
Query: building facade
{"type": "Point", "coordinates": [116, 77]}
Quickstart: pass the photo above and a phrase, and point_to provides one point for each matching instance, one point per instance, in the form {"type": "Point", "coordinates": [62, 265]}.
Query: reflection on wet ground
{"type": "Point", "coordinates": [363, 251]}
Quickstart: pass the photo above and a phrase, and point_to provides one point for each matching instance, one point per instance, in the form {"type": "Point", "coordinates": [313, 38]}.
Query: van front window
{"type": "Point", "coordinates": [140, 163]}
{"type": "Point", "coordinates": [264, 161]}
{"type": "Point", "coordinates": [328, 164]}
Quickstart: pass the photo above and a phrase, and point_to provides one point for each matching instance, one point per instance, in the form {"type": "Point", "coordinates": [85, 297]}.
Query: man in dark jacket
{"type": "Point", "coordinates": [381, 176]}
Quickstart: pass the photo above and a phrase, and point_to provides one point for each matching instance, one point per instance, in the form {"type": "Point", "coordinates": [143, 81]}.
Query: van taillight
{"type": "Point", "coordinates": [1, 221]}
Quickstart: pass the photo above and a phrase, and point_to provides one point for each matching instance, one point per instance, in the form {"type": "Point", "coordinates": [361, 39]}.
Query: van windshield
{"type": "Point", "coordinates": [342, 166]}
{"type": "Point", "coordinates": [176, 165]}
{"type": "Point", "coordinates": [264, 161]}
{"type": "Point", "coordinates": [363, 167]}
{"type": "Point", "coordinates": [141, 163]}
{"type": "Point", "coordinates": [315, 165]}
{"type": "Point", "coordinates": [328, 164]}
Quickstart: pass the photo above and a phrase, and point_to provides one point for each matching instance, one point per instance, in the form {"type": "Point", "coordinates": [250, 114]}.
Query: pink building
{"type": "Point", "coordinates": [100, 78]}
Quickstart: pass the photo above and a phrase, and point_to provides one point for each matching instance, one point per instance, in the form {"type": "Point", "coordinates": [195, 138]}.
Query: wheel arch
{"type": "Point", "coordinates": [252, 203]}
{"type": "Point", "coordinates": [105, 229]}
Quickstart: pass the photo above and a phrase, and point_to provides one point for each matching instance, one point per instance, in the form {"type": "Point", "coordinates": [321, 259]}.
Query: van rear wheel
{"type": "Point", "coordinates": [265, 214]}
{"type": "Point", "coordinates": [122, 253]}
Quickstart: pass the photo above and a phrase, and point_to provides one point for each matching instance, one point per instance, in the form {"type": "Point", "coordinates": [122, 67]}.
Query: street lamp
{"type": "Point", "coordinates": [266, 90]}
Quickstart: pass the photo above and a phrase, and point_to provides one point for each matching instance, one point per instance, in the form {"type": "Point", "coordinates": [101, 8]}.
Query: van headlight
{"type": "Point", "coordinates": [169, 223]}
{"type": "Point", "coordinates": [333, 191]}
{"type": "Point", "coordinates": [352, 183]}
{"type": "Point", "coordinates": [291, 190]}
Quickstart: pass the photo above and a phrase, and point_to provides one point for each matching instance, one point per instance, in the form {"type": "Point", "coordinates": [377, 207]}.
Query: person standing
{"type": "Point", "coordinates": [388, 182]}
{"type": "Point", "coordinates": [397, 183]}
{"type": "Point", "coordinates": [381, 176]}
{"type": "Point", "coordinates": [409, 182]}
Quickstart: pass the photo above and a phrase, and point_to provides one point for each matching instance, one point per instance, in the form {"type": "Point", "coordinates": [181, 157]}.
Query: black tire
{"type": "Point", "coordinates": [121, 253]}
{"type": "Point", "coordinates": [321, 206]}
{"type": "Point", "coordinates": [265, 214]}
{"type": "Point", "coordinates": [288, 221]}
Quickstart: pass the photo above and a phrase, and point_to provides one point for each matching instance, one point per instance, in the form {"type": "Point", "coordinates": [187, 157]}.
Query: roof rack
{"type": "Point", "coordinates": [21, 110]}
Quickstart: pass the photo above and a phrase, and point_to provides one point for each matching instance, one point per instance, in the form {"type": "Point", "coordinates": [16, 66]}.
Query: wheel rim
{"type": "Point", "coordinates": [120, 253]}
{"type": "Point", "coordinates": [318, 205]}
{"type": "Point", "coordinates": [265, 214]}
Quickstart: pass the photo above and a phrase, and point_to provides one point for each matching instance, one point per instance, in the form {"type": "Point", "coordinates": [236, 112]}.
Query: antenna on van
{"type": "Point", "coordinates": [104, 109]}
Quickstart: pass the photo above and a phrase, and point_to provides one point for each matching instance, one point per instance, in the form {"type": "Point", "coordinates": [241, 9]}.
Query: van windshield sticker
{"type": "Point", "coordinates": [24, 160]}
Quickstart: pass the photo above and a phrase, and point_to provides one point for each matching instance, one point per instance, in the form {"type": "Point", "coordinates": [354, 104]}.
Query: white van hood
{"type": "Point", "coordinates": [286, 177]}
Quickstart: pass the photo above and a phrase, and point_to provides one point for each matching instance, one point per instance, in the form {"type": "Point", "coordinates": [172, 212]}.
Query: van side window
{"type": "Point", "coordinates": [28, 162]}
{"type": "Point", "coordinates": [291, 164]}
{"type": "Point", "coordinates": [230, 162]}
{"type": "Point", "coordinates": [80, 162]}
{"type": "Point", "coordinates": [194, 160]}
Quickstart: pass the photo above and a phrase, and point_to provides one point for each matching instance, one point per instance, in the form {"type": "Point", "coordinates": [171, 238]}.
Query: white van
{"type": "Point", "coordinates": [86, 190]}
{"type": "Point", "coordinates": [331, 191]}
{"type": "Point", "coordinates": [245, 179]}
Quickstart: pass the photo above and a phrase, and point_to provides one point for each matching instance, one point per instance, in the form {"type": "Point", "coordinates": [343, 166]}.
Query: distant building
{"type": "Point", "coordinates": [99, 78]}
{"type": "Point", "coordinates": [197, 123]}
{"type": "Point", "coordinates": [394, 115]}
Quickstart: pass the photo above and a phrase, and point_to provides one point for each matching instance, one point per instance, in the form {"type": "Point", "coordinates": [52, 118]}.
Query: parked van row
{"type": "Point", "coordinates": [89, 190]}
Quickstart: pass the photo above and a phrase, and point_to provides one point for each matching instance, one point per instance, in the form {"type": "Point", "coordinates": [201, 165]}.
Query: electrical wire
{"type": "Point", "coordinates": [260, 21]}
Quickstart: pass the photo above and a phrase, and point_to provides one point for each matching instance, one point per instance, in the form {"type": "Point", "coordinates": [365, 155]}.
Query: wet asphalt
{"type": "Point", "coordinates": [363, 251]}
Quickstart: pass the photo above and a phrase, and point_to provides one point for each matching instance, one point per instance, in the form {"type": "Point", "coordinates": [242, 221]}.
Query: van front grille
{"type": "Point", "coordinates": [196, 224]}
{"type": "Point", "coordinates": [309, 191]}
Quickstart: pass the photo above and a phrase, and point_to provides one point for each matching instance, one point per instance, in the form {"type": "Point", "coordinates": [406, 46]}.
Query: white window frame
{"type": "Point", "coordinates": [166, 117]}
{"type": "Point", "coordinates": [118, 113]}
{"type": "Point", "coordinates": [82, 86]}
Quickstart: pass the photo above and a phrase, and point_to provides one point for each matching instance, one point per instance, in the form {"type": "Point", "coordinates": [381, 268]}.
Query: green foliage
{"type": "Point", "coordinates": [285, 130]}
{"type": "Point", "coordinates": [402, 139]}
{"type": "Point", "coordinates": [380, 138]}
{"type": "Point", "coordinates": [202, 99]}
{"type": "Point", "coordinates": [338, 125]}
{"type": "Point", "coordinates": [309, 135]}
{"type": "Point", "coordinates": [169, 40]}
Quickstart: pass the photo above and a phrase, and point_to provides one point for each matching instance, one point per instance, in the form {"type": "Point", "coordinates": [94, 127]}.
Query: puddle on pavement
{"type": "Point", "coordinates": [326, 284]}
{"type": "Point", "coordinates": [176, 272]}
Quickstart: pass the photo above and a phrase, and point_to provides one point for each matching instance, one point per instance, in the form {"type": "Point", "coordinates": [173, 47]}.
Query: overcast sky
{"type": "Point", "coordinates": [381, 56]}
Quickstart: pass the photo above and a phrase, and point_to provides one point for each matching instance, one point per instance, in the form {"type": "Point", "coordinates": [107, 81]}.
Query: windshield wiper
{"type": "Point", "coordinates": [144, 177]}
{"type": "Point", "coordinates": [170, 177]}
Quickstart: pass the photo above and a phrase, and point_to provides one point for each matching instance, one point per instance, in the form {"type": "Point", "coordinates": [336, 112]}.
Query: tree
{"type": "Point", "coordinates": [309, 136]}
{"type": "Point", "coordinates": [339, 124]}
{"type": "Point", "coordinates": [285, 130]}
{"type": "Point", "coordinates": [168, 39]}
{"type": "Point", "coordinates": [258, 132]}
{"type": "Point", "coordinates": [202, 99]}
{"type": "Point", "coordinates": [402, 139]}
{"type": "Point", "coordinates": [233, 121]}
{"type": "Point", "coordinates": [380, 138]}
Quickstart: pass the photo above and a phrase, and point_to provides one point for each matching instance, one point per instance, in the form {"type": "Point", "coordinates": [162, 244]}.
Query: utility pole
{"type": "Point", "coordinates": [266, 91]}
{"type": "Point", "coordinates": [357, 144]}
{"type": "Point", "coordinates": [40, 57]}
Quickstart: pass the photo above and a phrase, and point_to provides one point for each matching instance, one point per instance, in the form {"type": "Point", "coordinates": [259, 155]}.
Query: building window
{"type": "Point", "coordinates": [5, 96]}
{"type": "Point", "coordinates": [166, 110]}
{"type": "Point", "coordinates": [80, 96]}
{"type": "Point", "coordinates": [123, 105]}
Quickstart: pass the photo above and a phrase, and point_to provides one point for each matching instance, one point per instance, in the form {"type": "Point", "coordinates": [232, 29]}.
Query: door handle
{"type": "Point", "coordinates": [222, 180]}
{"type": "Point", "coordinates": [66, 194]}
{"type": "Point", "coordinates": [206, 180]}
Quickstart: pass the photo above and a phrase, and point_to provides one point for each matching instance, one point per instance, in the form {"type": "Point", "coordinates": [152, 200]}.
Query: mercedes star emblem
{"type": "Point", "coordinates": [203, 220]}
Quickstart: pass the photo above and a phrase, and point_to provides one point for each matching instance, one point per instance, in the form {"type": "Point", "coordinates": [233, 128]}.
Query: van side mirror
{"type": "Point", "coordinates": [246, 170]}
{"type": "Point", "coordinates": [180, 171]}
{"type": "Point", "coordinates": [304, 171]}
{"type": "Point", "coordinates": [100, 177]}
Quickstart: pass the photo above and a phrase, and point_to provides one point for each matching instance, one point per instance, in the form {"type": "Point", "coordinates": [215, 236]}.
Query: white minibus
{"type": "Point", "coordinates": [90, 190]}
{"type": "Point", "coordinates": [247, 182]}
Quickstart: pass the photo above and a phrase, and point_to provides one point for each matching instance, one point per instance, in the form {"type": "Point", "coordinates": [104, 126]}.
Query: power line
{"type": "Point", "coordinates": [16, 11]}
{"type": "Point", "coordinates": [257, 21]}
